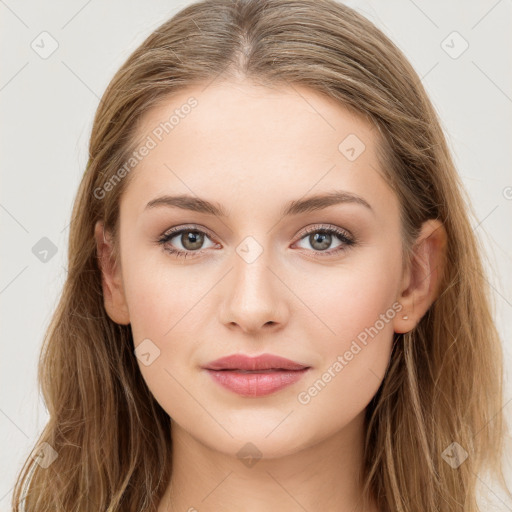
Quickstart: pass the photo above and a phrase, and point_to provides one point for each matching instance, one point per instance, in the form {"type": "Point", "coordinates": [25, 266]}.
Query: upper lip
{"type": "Point", "coordinates": [261, 362]}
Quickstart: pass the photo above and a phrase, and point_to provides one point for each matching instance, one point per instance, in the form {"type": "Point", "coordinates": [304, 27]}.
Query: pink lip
{"type": "Point", "coordinates": [255, 376]}
{"type": "Point", "coordinates": [261, 362]}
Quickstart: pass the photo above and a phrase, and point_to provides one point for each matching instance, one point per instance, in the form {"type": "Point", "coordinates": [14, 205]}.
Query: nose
{"type": "Point", "coordinates": [254, 296]}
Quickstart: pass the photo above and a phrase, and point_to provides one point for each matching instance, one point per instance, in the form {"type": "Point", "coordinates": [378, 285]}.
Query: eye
{"type": "Point", "coordinates": [320, 239]}
{"type": "Point", "coordinates": [190, 238]}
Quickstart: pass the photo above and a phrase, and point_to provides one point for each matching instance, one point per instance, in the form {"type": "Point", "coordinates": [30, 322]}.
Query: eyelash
{"type": "Point", "coordinates": [347, 242]}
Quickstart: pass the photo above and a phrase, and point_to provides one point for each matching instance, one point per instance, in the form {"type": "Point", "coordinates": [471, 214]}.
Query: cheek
{"type": "Point", "coordinates": [151, 304]}
{"type": "Point", "coordinates": [158, 295]}
{"type": "Point", "coordinates": [161, 309]}
{"type": "Point", "coordinates": [341, 390]}
{"type": "Point", "coordinates": [166, 303]}
{"type": "Point", "coordinates": [352, 298]}
{"type": "Point", "coordinates": [358, 305]}
{"type": "Point", "coordinates": [353, 364]}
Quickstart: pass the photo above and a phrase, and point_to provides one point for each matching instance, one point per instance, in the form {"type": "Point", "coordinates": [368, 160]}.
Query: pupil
{"type": "Point", "coordinates": [323, 238]}
{"type": "Point", "coordinates": [191, 240]}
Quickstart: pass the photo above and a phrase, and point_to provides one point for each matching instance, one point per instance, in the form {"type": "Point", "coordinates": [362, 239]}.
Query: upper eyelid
{"type": "Point", "coordinates": [179, 229]}
{"type": "Point", "coordinates": [171, 233]}
{"type": "Point", "coordinates": [335, 229]}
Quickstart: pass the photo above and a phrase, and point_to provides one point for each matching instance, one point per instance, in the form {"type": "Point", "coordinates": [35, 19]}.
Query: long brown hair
{"type": "Point", "coordinates": [444, 381]}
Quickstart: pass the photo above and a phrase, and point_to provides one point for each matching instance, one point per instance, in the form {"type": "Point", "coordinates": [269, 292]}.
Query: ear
{"type": "Point", "coordinates": [111, 280]}
{"type": "Point", "coordinates": [421, 281]}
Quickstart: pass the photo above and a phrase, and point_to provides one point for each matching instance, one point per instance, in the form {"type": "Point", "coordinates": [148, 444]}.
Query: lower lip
{"type": "Point", "coordinates": [256, 384]}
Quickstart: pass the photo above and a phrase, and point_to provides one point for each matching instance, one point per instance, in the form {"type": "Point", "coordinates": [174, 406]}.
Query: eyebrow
{"type": "Point", "coordinates": [295, 207]}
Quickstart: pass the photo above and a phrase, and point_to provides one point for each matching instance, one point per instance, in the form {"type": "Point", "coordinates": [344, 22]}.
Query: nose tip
{"type": "Point", "coordinates": [252, 326]}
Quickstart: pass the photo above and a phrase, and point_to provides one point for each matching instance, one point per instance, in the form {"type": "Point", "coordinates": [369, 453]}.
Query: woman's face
{"type": "Point", "coordinates": [261, 279]}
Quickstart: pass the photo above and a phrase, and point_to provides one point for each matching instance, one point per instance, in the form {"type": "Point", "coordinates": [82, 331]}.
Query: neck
{"type": "Point", "coordinates": [321, 476]}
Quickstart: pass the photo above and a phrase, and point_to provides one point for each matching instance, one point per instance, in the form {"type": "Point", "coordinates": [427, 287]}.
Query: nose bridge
{"type": "Point", "coordinates": [252, 296]}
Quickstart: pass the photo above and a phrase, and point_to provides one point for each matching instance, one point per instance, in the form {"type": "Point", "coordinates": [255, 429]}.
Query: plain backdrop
{"type": "Point", "coordinates": [48, 102]}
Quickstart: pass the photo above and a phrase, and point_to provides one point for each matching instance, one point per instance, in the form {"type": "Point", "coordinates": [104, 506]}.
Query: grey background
{"type": "Point", "coordinates": [47, 106]}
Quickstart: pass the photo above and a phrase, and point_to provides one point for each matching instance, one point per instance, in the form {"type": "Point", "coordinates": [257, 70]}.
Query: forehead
{"type": "Point", "coordinates": [240, 140]}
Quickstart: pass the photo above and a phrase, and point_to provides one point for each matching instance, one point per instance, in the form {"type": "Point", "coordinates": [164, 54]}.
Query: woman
{"type": "Point", "coordinates": [275, 300]}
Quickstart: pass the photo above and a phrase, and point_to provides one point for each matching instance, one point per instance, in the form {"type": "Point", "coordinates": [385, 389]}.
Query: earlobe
{"type": "Point", "coordinates": [424, 275]}
{"type": "Point", "coordinates": [112, 283]}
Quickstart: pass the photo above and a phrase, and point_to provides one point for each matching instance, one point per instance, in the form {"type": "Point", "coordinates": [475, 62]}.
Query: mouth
{"type": "Point", "coordinates": [255, 376]}
{"type": "Point", "coordinates": [258, 380]}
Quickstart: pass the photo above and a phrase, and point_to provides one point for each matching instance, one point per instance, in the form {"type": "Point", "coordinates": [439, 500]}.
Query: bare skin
{"type": "Point", "coordinates": [252, 150]}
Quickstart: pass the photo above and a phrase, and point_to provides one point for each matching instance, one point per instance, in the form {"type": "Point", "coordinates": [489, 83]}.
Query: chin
{"type": "Point", "coordinates": [264, 439]}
